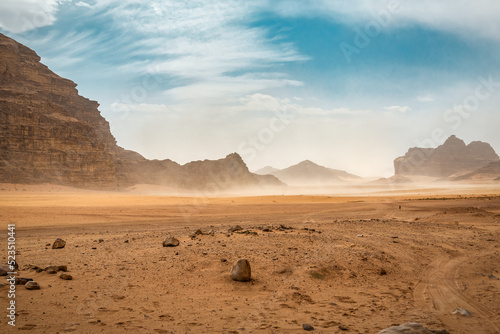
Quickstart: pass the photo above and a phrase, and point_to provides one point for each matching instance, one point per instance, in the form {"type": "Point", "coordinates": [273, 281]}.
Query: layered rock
{"type": "Point", "coordinates": [453, 157]}
{"type": "Point", "coordinates": [50, 134]}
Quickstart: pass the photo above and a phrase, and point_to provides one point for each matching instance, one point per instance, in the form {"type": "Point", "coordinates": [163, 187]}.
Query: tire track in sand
{"type": "Point", "coordinates": [438, 292]}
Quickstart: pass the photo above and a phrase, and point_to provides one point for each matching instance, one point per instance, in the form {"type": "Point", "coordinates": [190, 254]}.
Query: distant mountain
{"type": "Point", "coordinates": [266, 170]}
{"type": "Point", "coordinates": [486, 173]}
{"type": "Point", "coordinates": [451, 159]}
{"type": "Point", "coordinates": [51, 134]}
{"type": "Point", "coordinates": [307, 173]}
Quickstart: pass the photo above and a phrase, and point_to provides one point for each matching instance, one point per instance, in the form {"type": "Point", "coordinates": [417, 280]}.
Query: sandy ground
{"type": "Point", "coordinates": [343, 264]}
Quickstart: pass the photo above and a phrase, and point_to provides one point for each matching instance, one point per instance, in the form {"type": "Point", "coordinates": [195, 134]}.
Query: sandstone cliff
{"type": "Point", "coordinates": [50, 134]}
{"type": "Point", "coordinates": [452, 158]}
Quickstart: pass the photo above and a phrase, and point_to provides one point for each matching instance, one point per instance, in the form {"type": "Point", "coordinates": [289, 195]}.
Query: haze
{"type": "Point", "coordinates": [347, 85]}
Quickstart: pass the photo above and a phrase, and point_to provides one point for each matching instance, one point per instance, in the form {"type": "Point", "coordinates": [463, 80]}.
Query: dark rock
{"type": "Point", "coordinates": [307, 327]}
{"type": "Point", "coordinates": [31, 285]}
{"type": "Point", "coordinates": [101, 240]}
{"type": "Point", "coordinates": [343, 328]}
{"type": "Point", "coordinates": [63, 268]}
{"type": "Point", "coordinates": [241, 271]}
{"type": "Point", "coordinates": [235, 228]}
{"type": "Point", "coordinates": [66, 276]}
{"type": "Point", "coordinates": [382, 272]}
{"type": "Point", "coordinates": [59, 243]}
{"type": "Point", "coordinates": [170, 242]}
{"type": "Point", "coordinates": [22, 280]}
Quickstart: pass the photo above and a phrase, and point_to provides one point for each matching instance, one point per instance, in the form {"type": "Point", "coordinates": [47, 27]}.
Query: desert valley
{"type": "Point", "coordinates": [151, 246]}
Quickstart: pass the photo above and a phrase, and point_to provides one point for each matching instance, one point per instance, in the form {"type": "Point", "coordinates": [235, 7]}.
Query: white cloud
{"type": "Point", "coordinates": [18, 16]}
{"type": "Point", "coordinates": [480, 18]}
{"type": "Point", "coordinates": [425, 98]}
{"type": "Point", "coordinates": [401, 109]}
{"type": "Point", "coordinates": [83, 4]}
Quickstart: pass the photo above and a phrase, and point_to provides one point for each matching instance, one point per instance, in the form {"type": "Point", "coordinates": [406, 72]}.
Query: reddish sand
{"type": "Point", "coordinates": [325, 268]}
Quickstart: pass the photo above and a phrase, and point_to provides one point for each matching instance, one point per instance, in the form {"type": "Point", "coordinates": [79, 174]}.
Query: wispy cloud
{"type": "Point", "coordinates": [425, 98]}
{"type": "Point", "coordinates": [18, 16]}
{"type": "Point", "coordinates": [401, 109]}
{"type": "Point", "coordinates": [460, 17]}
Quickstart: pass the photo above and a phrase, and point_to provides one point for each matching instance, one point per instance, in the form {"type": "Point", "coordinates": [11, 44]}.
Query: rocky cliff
{"type": "Point", "coordinates": [50, 134]}
{"type": "Point", "coordinates": [452, 158]}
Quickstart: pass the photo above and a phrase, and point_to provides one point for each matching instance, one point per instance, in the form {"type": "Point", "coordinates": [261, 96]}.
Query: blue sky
{"type": "Point", "coordinates": [348, 84]}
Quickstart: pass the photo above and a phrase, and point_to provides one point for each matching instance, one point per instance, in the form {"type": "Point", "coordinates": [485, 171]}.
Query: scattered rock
{"type": "Point", "coordinates": [241, 271]}
{"type": "Point", "coordinates": [359, 235]}
{"type": "Point", "coordinates": [63, 268]}
{"type": "Point", "coordinates": [47, 244]}
{"type": "Point", "coordinates": [31, 285]}
{"type": "Point", "coordinates": [126, 241]}
{"type": "Point", "coordinates": [198, 232]}
{"type": "Point", "coordinates": [462, 311]}
{"type": "Point", "coordinates": [235, 228]}
{"type": "Point", "coordinates": [382, 272]}
{"type": "Point", "coordinates": [66, 276]}
{"type": "Point", "coordinates": [51, 269]}
{"type": "Point", "coordinates": [22, 280]}
{"type": "Point", "coordinates": [59, 243]}
{"type": "Point", "coordinates": [101, 240]}
{"type": "Point", "coordinates": [343, 328]}
{"type": "Point", "coordinates": [223, 260]}
{"type": "Point", "coordinates": [170, 242]}
{"type": "Point", "coordinates": [307, 327]}
{"type": "Point", "coordinates": [492, 276]}
{"type": "Point", "coordinates": [409, 328]}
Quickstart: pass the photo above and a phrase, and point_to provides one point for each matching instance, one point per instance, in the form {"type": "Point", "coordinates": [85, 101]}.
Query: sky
{"type": "Point", "coordinates": [350, 85]}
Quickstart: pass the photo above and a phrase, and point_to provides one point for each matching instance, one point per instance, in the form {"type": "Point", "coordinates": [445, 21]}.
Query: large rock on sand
{"type": "Point", "coordinates": [241, 271]}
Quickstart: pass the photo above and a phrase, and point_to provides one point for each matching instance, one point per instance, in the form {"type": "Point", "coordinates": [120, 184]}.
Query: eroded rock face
{"type": "Point", "coordinates": [48, 133]}
{"type": "Point", "coordinates": [453, 157]}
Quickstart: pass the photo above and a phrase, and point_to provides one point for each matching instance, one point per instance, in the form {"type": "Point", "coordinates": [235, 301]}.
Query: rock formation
{"type": "Point", "coordinates": [453, 157]}
{"type": "Point", "coordinates": [50, 134]}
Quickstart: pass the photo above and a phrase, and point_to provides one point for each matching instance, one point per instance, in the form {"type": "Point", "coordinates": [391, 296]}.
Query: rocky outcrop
{"type": "Point", "coordinates": [50, 134]}
{"type": "Point", "coordinates": [486, 173]}
{"type": "Point", "coordinates": [453, 157]}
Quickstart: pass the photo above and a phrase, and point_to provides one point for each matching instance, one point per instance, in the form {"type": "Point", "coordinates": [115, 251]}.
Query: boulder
{"type": "Point", "coordinates": [31, 285]}
{"type": "Point", "coordinates": [170, 242]}
{"type": "Point", "coordinates": [241, 271]}
{"type": "Point", "coordinates": [59, 243]}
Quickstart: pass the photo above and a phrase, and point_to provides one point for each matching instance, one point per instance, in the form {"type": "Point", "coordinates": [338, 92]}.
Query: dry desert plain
{"type": "Point", "coordinates": [343, 264]}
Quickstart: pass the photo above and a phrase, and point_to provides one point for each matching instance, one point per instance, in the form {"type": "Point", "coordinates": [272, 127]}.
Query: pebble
{"type": "Point", "coordinates": [66, 276]}
{"type": "Point", "coordinates": [462, 311]}
{"type": "Point", "coordinates": [307, 327]}
{"type": "Point", "coordinates": [241, 271]}
{"type": "Point", "coordinates": [59, 243]}
{"type": "Point", "coordinates": [170, 242]}
{"type": "Point", "coordinates": [31, 285]}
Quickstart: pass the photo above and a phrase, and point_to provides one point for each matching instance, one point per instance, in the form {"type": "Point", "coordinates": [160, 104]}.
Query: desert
{"type": "Point", "coordinates": [354, 264]}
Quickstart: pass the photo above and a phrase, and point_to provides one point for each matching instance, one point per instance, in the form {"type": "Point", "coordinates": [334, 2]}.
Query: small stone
{"type": "Point", "coordinates": [382, 272]}
{"type": "Point", "coordinates": [3, 272]}
{"type": "Point", "coordinates": [63, 268]}
{"type": "Point", "coordinates": [491, 276]}
{"type": "Point", "coordinates": [66, 276]}
{"type": "Point", "coordinates": [47, 245]}
{"type": "Point", "coordinates": [241, 271]}
{"type": "Point", "coordinates": [101, 240]}
{"type": "Point", "coordinates": [59, 243]}
{"type": "Point", "coordinates": [126, 241]}
{"type": "Point", "coordinates": [51, 271]}
{"type": "Point", "coordinates": [198, 232]}
{"type": "Point", "coordinates": [31, 285]}
{"type": "Point", "coordinates": [235, 228]}
{"type": "Point", "coordinates": [343, 328]}
{"type": "Point", "coordinates": [359, 235]}
{"type": "Point", "coordinates": [223, 260]}
{"type": "Point", "coordinates": [307, 327]}
{"type": "Point", "coordinates": [22, 280]}
{"type": "Point", "coordinates": [462, 311]}
{"type": "Point", "coordinates": [170, 242]}
{"type": "Point", "coordinates": [52, 268]}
